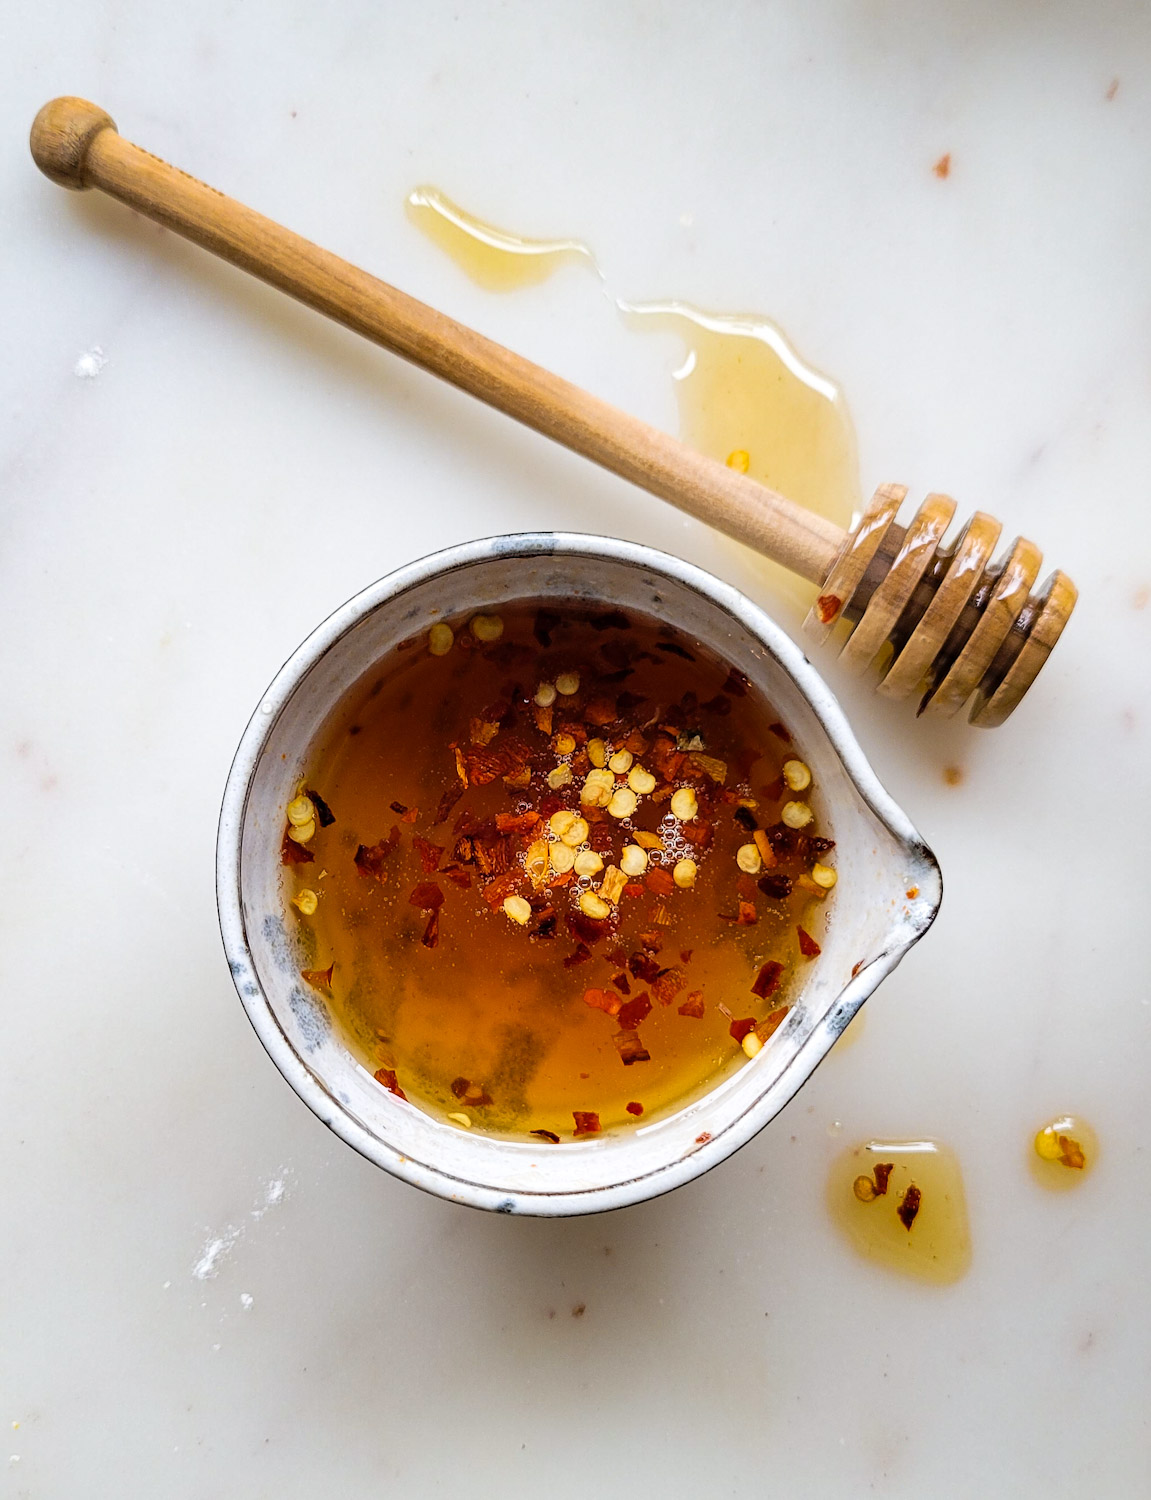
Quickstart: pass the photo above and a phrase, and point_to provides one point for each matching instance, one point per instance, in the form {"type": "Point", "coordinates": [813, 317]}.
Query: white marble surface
{"type": "Point", "coordinates": [174, 524]}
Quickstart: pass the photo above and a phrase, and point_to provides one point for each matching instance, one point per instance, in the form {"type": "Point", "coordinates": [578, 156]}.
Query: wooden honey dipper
{"type": "Point", "coordinates": [949, 620]}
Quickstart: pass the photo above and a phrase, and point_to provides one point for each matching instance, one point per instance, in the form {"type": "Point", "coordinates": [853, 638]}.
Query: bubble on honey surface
{"type": "Point", "coordinates": [1063, 1152]}
{"type": "Point", "coordinates": [902, 1203]}
{"type": "Point", "coordinates": [493, 258]}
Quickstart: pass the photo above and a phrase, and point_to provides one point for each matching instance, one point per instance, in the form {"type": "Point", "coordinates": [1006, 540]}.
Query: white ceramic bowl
{"type": "Point", "coordinates": [872, 921]}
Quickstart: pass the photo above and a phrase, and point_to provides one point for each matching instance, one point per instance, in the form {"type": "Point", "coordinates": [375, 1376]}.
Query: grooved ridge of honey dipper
{"type": "Point", "coordinates": [959, 623]}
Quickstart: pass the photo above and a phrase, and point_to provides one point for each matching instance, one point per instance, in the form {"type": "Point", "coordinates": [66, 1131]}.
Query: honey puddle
{"type": "Point", "coordinates": [743, 392]}
{"type": "Point", "coordinates": [924, 1236]}
{"type": "Point", "coordinates": [498, 261]}
{"type": "Point", "coordinates": [747, 398]}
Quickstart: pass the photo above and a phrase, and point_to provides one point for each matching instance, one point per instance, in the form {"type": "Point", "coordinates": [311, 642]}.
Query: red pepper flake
{"type": "Point", "coordinates": [674, 649]}
{"type": "Point", "coordinates": [472, 1094]}
{"type": "Point", "coordinates": [942, 167]}
{"type": "Point", "coordinates": [447, 802]}
{"type": "Point", "coordinates": [601, 711]}
{"type": "Point", "coordinates": [699, 832]}
{"type": "Point", "coordinates": [430, 854]}
{"type": "Point", "coordinates": [411, 815]}
{"type": "Point", "coordinates": [1071, 1153]}
{"type": "Point", "coordinates": [482, 731]}
{"type": "Point", "coordinates": [665, 759]}
{"type": "Point", "coordinates": [668, 985]}
{"type": "Point", "coordinates": [458, 877]}
{"type": "Point", "coordinates": [737, 684]}
{"type": "Point", "coordinates": [767, 980]}
{"type": "Point", "coordinates": [468, 823]}
{"type": "Point", "coordinates": [909, 1206]}
{"type": "Point", "coordinates": [685, 955]}
{"type": "Point", "coordinates": [633, 1012]}
{"type": "Point", "coordinates": [633, 1108]}
{"type": "Point", "coordinates": [807, 944]}
{"type": "Point", "coordinates": [693, 1005]}
{"type": "Point", "coordinates": [659, 882]}
{"type": "Point", "coordinates": [703, 1138]}
{"type": "Point", "coordinates": [370, 861]}
{"type": "Point", "coordinates": [586, 1122]}
{"type": "Point", "coordinates": [599, 833]}
{"type": "Point", "coordinates": [546, 1135]}
{"type": "Point", "coordinates": [630, 1048]}
{"type": "Point", "coordinates": [651, 941]}
{"type": "Point", "coordinates": [748, 916]}
{"type": "Point", "coordinates": [545, 919]}
{"type": "Point", "coordinates": [771, 1023]}
{"type": "Point", "coordinates": [617, 956]}
{"type": "Point", "coordinates": [427, 896]}
{"type": "Point", "coordinates": [579, 956]}
{"type": "Point", "coordinates": [398, 807]}
{"type": "Point", "coordinates": [881, 1172]}
{"type": "Point", "coordinates": [517, 822]}
{"type": "Point", "coordinates": [745, 818]}
{"type": "Point", "coordinates": [586, 929]}
{"type": "Point", "coordinates": [621, 983]}
{"type": "Point", "coordinates": [602, 1000]}
{"type": "Point", "coordinates": [739, 1029]}
{"type": "Point", "coordinates": [320, 978]}
{"type": "Point", "coordinates": [480, 764]}
{"type": "Point", "coordinates": [777, 887]}
{"type": "Point", "coordinates": [494, 855]}
{"type": "Point", "coordinates": [612, 619]}
{"type": "Point", "coordinates": [502, 886]}
{"type": "Point", "coordinates": [643, 967]}
{"type": "Point", "coordinates": [387, 1077]}
{"type": "Point", "coordinates": [325, 814]}
{"type": "Point", "coordinates": [855, 968]}
{"type": "Point", "coordinates": [778, 729]}
{"type": "Point", "coordinates": [432, 931]}
{"type": "Point", "coordinates": [292, 853]}
{"type": "Point", "coordinates": [545, 622]}
{"type": "Point", "coordinates": [827, 607]}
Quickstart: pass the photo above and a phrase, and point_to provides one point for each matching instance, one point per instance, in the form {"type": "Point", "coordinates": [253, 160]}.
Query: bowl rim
{"type": "Point", "coordinates": [441, 1181]}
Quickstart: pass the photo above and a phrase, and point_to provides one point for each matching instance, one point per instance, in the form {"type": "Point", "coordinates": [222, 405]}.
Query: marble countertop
{"type": "Point", "coordinates": [205, 1292]}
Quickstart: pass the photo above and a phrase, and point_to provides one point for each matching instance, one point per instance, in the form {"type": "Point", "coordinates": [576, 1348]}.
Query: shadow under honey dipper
{"type": "Point", "coordinates": [958, 625]}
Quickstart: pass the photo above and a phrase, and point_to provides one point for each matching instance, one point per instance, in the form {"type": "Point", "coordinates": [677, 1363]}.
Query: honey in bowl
{"type": "Point", "coordinates": [555, 870]}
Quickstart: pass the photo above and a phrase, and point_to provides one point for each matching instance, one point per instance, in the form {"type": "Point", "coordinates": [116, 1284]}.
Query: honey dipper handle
{"type": "Point", "coordinates": [77, 145]}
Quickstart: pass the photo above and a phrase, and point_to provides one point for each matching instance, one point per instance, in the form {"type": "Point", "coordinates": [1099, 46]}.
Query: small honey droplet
{"type": "Point", "coordinates": [1063, 1152]}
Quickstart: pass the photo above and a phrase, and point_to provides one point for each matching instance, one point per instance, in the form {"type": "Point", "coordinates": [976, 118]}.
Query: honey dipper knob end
{"type": "Point", "coordinates": [62, 135]}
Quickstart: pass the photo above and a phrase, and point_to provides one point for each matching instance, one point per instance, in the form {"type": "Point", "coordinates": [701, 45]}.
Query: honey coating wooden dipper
{"type": "Point", "coordinates": [949, 621]}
